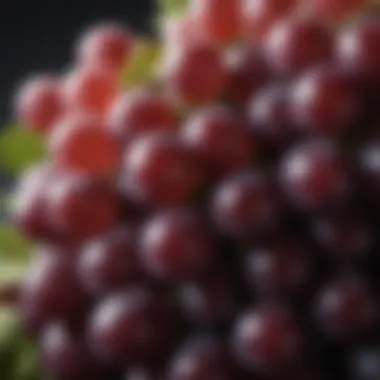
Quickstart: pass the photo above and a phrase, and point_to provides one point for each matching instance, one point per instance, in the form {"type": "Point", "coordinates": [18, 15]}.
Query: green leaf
{"type": "Point", "coordinates": [12, 244]}
{"type": "Point", "coordinates": [19, 148]}
{"type": "Point", "coordinates": [173, 7]}
{"type": "Point", "coordinates": [141, 68]}
{"type": "Point", "coordinates": [12, 271]}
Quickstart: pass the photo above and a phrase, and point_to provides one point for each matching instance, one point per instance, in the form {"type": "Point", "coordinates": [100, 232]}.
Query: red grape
{"type": "Point", "coordinates": [219, 20]}
{"type": "Point", "coordinates": [266, 338]}
{"type": "Point", "coordinates": [209, 300]}
{"type": "Point", "coordinates": [81, 143]}
{"type": "Point", "coordinates": [194, 73]}
{"type": "Point", "coordinates": [39, 103]}
{"type": "Point", "coordinates": [345, 307]}
{"type": "Point", "coordinates": [280, 268]}
{"type": "Point", "coordinates": [345, 237]}
{"type": "Point", "coordinates": [159, 170]}
{"type": "Point", "coordinates": [246, 71]}
{"type": "Point", "coordinates": [369, 165]}
{"type": "Point", "coordinates": [313, 175]}
{"type": "Point", "coordinates": [268, 114]}
{"type": "Point", "coordinates": [176, 245]}
{"type": "Point", "coordinates": [52, 292]}
{"type": "Point", "coordinates": [200, 358]}
{"type": "Point", "coordinates": [67, 356]}
{"type": "Point", "coordinates": [139, 112]}
{"type": "Point", "coordinates": [220, 139]}
{"type": "Point", "coordinates": [89, 91]}
{"type": "Point", "coordinates": [81, 206]}
{"type": "Point", "coordinates": [293, 45]}
{"type": "Point", "coordinates": [358, 51]}
{"type": "Point", "coordinates": [322, 101]}
{"type": "Point", "coordinates": [31, 201]}
{"type": "Point", "coordinates": [260, 15]}
{"type": "Point", "coordinates": [128, 327]}
{"type": "Point", "coordinates": [109, 262]}
{"type": "Point", "coordinates": [141, 373]}
{"type": "Point", "coordinates": [244, 204]}
{"type": "Point", "coordinates": [105, 47]}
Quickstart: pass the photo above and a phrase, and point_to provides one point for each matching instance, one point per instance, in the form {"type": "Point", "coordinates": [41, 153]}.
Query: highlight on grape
{"type": "Point", "coordinates": [218, 221]}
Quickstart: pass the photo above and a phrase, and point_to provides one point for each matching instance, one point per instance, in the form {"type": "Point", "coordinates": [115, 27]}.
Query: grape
{"type": "Point", "coordinates": [268, 114]}
{"type": "Point", "coordinates": [89, 91]}
{"type": "Point", "coordinates": [345, 307]}
{"type": "Point", "coordinates": [260, 15]}
{"type": "Point", "coordinates": [345, 237]}
{"type": "Point", "coordinates": [282, 267]}
{"type": "Point", "coordinates": [244, 204]}
{"type": "Point", "coordinates": [39, 103]}
{"type": "Point", "coordinates": [67, 356]}
{"type": "Point", "coordinates": [266, 338]}
{"type": "Point", "coordinates": [209, 300]}
{"type": "Point", "coordinates": [292, 45]}
{"type": "Point", "coordinates": [105, 47]}
{"type": "Point", "coordinates": [338, 9]}
{"type": "Point", "coordinates": [109, 262]}
{"type": "Point", "coordinates": [84, 207]}
{"type": "Point", "coordinates": [29, 207]}
{"type": "Point", "coordinates": [364, 364]}
{"type": "Point", "coordinates": [358, 51]}
{"type": "Point", "coordinates": [128, 327]}
{"type": "Point", "coordinates": [220, 139]}
{"type": "Point", "coordinates": [246, 71]}
{"type": "Point", "coordinates": [140, 112]}
{"type": "Point", "coordinates": [201, 357]}
{"type": "Point", "coordinates": [52, 292]}
{"type": "Point", "coordinates": [160, 170]}
{"type": "Point", "coordinates": [313, 175]}
{"type": "Point", "coordinates": [194, 73]}
{"type": "Point", "coordinates": [176, 244]}
{"type": "Point", "coordinates": [81, 143]}
{"type": "Point", "coordinates": [322, 101]}
{"type": "Point", "coordinates": [219, 20]}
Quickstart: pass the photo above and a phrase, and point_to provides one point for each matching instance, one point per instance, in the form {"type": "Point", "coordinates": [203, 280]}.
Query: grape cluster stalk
{"type": "Point", "coordinates": [221, 225]}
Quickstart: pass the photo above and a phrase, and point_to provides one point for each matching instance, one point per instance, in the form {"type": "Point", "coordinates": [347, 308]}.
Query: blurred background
{"type": "Point", "coordinates": [38, 35]}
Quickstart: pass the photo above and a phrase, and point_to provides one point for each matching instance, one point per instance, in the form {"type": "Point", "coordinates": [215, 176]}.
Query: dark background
{"type": "Point", "coordinates": [38, 35]}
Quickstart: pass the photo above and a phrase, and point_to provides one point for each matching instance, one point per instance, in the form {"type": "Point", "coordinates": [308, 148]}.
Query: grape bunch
{"type": "Point", "coordinates": [218, 222]}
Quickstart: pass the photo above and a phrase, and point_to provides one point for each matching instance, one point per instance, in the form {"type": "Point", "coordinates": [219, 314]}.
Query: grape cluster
{"type": "Point", "coordinates": [219, 224]}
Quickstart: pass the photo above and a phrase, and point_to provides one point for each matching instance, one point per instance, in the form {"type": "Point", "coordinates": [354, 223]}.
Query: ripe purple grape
{"type": "Point", "coordinates": [247, 71]}
{"type": "Point", "coordinates": [129, 327]}
{"type": "Point", "coordinates": [83, 207]}
{"type": "Point", "coordinates": [110, 262]}
{"type": "Point", "coordinates": [220, 139]}
{"type": "Point", "coordinates": [244, 204]}
{"type": "Point", "coordinates": [266, 338]}
{"type": "Point", "coordinates": [345, 307]}
{"type": "Point", "coordinates": [176, 245]}
{"type": "Point", "coordinates": [159, 170]}
{"type": "Point", "coordinates": [358, 50]}
{"type": "Point", "coordinates": [313, 175]}
{"type": "Point", "coordinates": [52, 292]}
{"type": "Point", "coordinates": [293, 45]}
{"type": "Point", "coordinates": [323, 101]}
{"type": "Point", "coordinates": [67, 357]}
